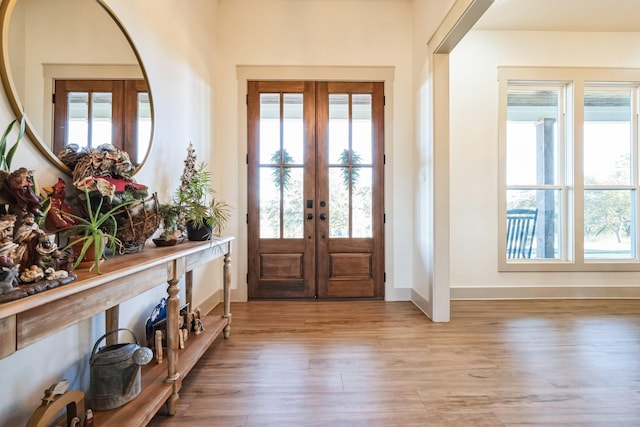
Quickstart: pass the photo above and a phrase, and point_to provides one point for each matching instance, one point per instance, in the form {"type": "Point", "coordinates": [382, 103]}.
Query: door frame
{"type": "Point", "coordinates": [250, 72]}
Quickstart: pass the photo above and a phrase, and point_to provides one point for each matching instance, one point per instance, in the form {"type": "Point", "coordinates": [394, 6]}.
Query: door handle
{"type": "Point", "coordinates": [309, 216]}
{"type": "Point", "coordinates": [323, 216]}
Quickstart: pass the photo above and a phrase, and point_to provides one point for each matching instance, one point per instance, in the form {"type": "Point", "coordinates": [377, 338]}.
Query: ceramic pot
{"type": "Point", "coordinates": [200, 233]}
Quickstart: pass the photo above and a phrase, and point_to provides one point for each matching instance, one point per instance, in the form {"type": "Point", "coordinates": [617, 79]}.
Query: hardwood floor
{"type": "Point", "coordinates": [497, 363]}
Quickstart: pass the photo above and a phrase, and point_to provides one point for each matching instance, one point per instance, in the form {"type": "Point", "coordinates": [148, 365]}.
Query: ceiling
{"type": "Point", "coordinates": [562, 15]}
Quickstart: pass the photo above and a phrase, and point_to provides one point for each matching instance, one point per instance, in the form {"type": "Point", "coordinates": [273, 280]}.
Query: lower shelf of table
{"type": "Point", "coordinates": [155, 389]}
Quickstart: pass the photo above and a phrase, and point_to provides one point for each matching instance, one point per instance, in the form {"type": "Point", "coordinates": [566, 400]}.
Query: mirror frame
{"type": "Point", "coordinates": [6, 10]}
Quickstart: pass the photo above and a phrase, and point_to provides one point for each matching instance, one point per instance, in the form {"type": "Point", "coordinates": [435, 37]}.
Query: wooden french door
{"type": "Point", "coordinates": [315, 186]}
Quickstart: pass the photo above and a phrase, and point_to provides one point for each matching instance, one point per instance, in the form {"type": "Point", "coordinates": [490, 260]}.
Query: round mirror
{"type": "Point", "coordinates": [70, 66]}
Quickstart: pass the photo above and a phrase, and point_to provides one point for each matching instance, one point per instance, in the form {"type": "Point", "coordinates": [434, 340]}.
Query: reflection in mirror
{"type": "Point", "coordinates": [47, 45]}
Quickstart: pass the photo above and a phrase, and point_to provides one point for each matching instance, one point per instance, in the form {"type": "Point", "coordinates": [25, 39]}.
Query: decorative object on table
{"type": "Point", "coordinates": [21, 186]}
{"type": "Point", "coordinates": [107, 174]}
{"type": "Point", "coordinates": [57, 398]}
{"type": "Point", "coordinates": [93, 233]}
{"type": "Point", "coordinates": [8, 276]}
{"type": "Point", "coordinates": [55, 390]}
{"type": "Point", "coordinates": [197, 327]}
{"type": "Point", "coordinates": [170, 234]}
{"type": "Point", "coordinates": [115, 372]}
{"type": "Point", "coordinates": [157, 321]}
{"type": "Point", "coordinates": [137, 223]}
{"type": "Point", "coordinates": [202, 214]}
{"type": "Point", "coordinates": [59, 213]}
{"type": "Point", "coordinates": [88, 419]}
{"type": "Point", "coordinates": [158, 345]}
{"type": "Point", "coordinates": [105, 161]}
{"type": "Point", "coordinates": [26, 236]}
{"type": "Point", "coordinates": [29, 258]}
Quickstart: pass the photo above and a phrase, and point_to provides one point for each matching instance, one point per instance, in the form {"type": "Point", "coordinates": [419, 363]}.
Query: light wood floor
{"type": "Point", "coordinates": [497, 363]}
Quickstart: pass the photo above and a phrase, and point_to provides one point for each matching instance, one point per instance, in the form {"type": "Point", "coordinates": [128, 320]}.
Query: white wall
{"type": "Point", "coordinates": [177, 45]}
{"type": "Point", "coordinates": [427, 16]}
{"type": "Point", "coordinates": [474, 158]}
{"type": "Point", "coordinates": [303, 39]}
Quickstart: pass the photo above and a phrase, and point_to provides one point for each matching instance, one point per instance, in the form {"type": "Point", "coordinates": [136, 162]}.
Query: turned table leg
{"type": "Point", "coordinates": [173, 307]}
{"type": "Point", "coordinates": [227, 291]}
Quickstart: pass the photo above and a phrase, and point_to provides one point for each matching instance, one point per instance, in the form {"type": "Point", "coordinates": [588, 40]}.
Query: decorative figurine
{"type": "Point", "coordinates": [7, 224]}
{"type": "Point", "coordinates": [32, 274]}
{"type": "Point", "coordinates": [197, 327]}
{"type": "Point", "coordinates": [55, 390]}
{"type": "Point", "coordinates": [45, 251]}
{"type": "Point", "coordinates": [8, 275]}
{"type": "Point", "coordinates": [8, 248]}
{"type": "Point", "coordinates": [21, 187]}
{"type": "Point", "coordinates": [27, 237]}
{"type": "Point", "coordinates": [58, 215]}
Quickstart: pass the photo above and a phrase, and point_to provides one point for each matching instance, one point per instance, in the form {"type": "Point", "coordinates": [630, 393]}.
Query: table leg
{"type": "Point", "coordinates": [112, 323]}
{"type": "Point", "coordinates": [227, 291]}
{"type": "Point", "coordinates": [173, 308]}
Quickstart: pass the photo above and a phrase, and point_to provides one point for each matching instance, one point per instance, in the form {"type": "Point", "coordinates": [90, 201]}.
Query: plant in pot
{"type": "Point", "coordinates": [204, 216]}
{"type": "Point", "coordinates": [93, 233]}
{"type": "Point", "coordinates": [170, 234]}
{"type": "Point", "coordinates": [199, 211]}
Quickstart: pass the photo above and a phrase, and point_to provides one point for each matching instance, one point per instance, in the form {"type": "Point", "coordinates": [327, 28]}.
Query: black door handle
{"type": "Point", "coordinates": [309, 216]}
{"type": "Point", "coordinates": [323, 216]}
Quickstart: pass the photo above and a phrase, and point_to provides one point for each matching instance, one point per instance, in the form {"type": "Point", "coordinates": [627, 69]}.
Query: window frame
{"type": "Point", "coordinates": [124, 110]}
{"type": "Point", "coordinates": [574, 80]}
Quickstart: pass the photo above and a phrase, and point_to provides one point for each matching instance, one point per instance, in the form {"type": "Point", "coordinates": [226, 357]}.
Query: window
{"type": "Point", "coordinates": [569, 150]}
{"type": "Point", "coordinates": [90, 113]}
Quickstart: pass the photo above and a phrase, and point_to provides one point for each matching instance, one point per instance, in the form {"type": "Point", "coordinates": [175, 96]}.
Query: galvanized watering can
{"type": "Point", "coordinates": [115, 372]}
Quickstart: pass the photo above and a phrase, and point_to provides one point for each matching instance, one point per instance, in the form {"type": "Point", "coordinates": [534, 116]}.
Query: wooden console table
{"type": "Point", "coordinates": [28, 320]}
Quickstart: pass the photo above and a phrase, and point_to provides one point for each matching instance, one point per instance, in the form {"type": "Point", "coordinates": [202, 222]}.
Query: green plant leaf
{"type": "Point", "coordinates": [3, 146]}
{"type": "Point", "coordinates": [12, 150]}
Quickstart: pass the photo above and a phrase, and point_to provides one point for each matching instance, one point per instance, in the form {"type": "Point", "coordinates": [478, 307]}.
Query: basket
{"type": "Point", "coordinates": [137, 223]}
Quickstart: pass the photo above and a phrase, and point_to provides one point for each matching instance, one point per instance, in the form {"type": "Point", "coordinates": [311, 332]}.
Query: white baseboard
{"type": "Point", "coordinates": [210, 303]}
{"type": "Point", "coordinates": [546, 292]}
{"type": "Point", "coordinates": [216, 298]}
{"type": "Point", "coordinates": [421, 302]}
{"type": "Point", "coordinates": [397, 294]}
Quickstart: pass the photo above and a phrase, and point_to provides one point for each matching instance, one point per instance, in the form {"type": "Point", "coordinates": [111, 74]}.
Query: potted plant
{"type": "Point", "coordinates": [93, 233]}
{"type": "Point", "coordinates": [196, 202]}
{"type": "Point", "coordinates": [200, 213]}
{"type": "Point", "coordinates": [170, 234]}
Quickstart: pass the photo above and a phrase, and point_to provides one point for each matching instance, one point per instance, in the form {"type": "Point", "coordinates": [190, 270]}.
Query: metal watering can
{"type": "Point", "coordinates": [115, 372]}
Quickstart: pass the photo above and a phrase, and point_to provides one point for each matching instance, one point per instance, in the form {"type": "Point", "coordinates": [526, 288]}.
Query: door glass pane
{"type": "Point", "coordinates": [143, 126]}
{"type": "Point", "coordinates": [534, 224]}
{"type": "Point", "coordinates": [270, 178]}
{"type": "Point", "coordinates": [269, 139]}
{"type": "Point", "coordinates": [532, 116]}
{"type": "Point", "coordinates": [293, 128]}
{"type": "Point", "coordinates": [362, 202]}
{"type": "Point", "coordinates": [608, 230]}
{"type": "Point", "coordinates": [607, 136]}
{"type": "Point", "coordinates": [101, 120]}
{"type": "Point", "coordinates": [338, 127]}
{"type": "Point", "coordinates": [78, 124]}
{"type": "Point", "coordinates": [361, 142]}
{"type": "Point", "coordinates": [293, 205]}
{"type": "Point", "coordinates": [338, 202]}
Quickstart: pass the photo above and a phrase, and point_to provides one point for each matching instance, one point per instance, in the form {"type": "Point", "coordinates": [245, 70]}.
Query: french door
{"type": "Point", "coordinates": [315, 185]}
